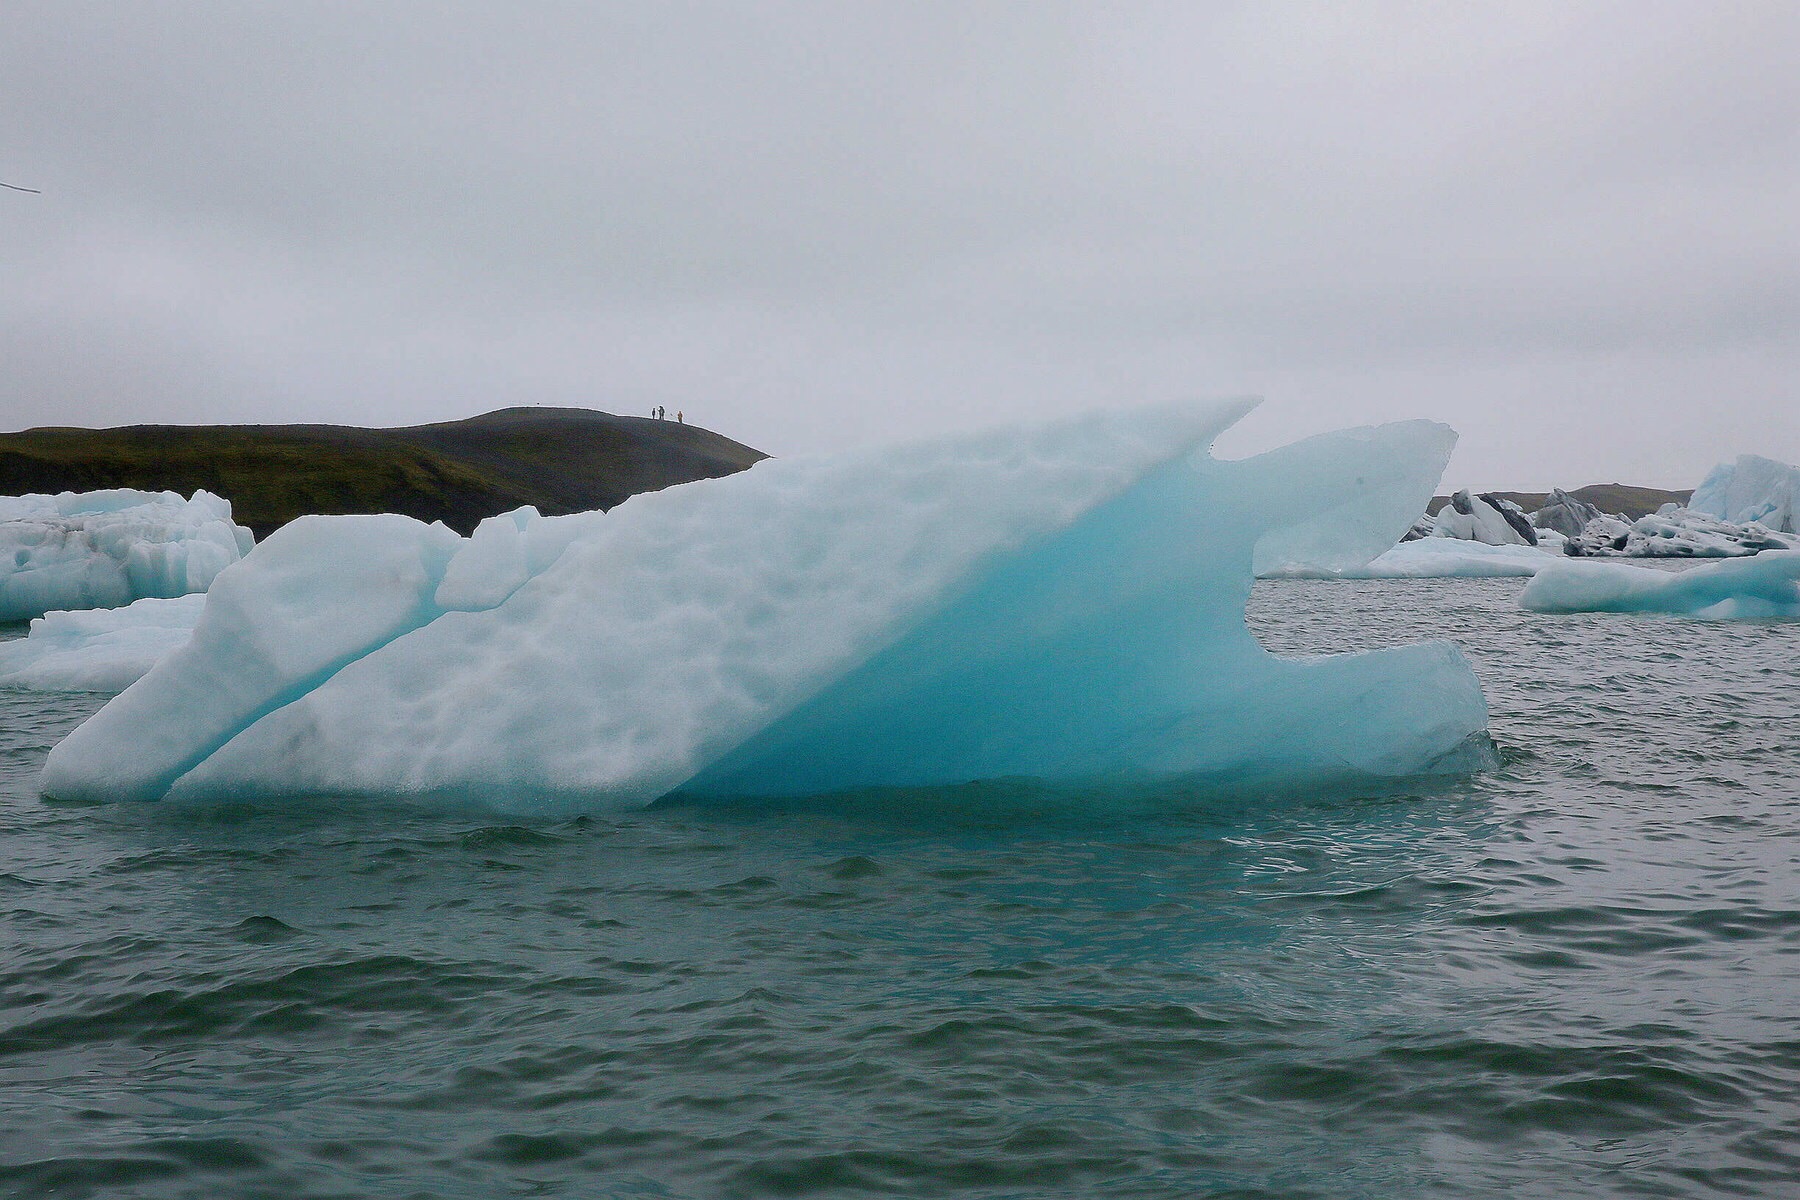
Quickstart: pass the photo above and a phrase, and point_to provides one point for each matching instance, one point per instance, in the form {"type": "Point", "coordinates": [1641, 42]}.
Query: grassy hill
{"type": "Point", "coordinates": [559, 459]}
{"type": "Point", "coordinates": [1623, 498]}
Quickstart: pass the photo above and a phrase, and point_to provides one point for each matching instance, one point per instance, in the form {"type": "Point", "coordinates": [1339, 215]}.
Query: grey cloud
{"type": "Point", "coordinates": [818, 224]}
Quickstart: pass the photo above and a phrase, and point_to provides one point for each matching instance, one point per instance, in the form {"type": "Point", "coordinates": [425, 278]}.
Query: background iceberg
{"type": "Point", "coordinates": [99, 649]}
{"type": "Point", "coordinates": [1564, 514]}
{"type": "Point", "coordinates": [1063, 602]}
{"type": "Point", "coordinates": [1741, 508]}
{"type": "Point", "coordinates": [1763, 587]}
{"type": "Point", "coordinates": [1673, 532]}
{"type": "Point", "coordinates": [1752, 489]}
{"type": "Point", "coordinates": [1485, 518]}
{"type": "Point", "coordinates": [105, 549]}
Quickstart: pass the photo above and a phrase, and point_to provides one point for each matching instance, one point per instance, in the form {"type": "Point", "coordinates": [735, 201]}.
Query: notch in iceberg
{"type": "Point", "coordinates": [1063, 603]}
{"type": "Point", "coordinates": [105, 549]}
{"type": "Point", "coordinates": [1765, 586]}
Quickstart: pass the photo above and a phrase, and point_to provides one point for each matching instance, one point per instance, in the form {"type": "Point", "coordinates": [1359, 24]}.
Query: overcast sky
{"type": "Point", "coordinates": [1570, 230]}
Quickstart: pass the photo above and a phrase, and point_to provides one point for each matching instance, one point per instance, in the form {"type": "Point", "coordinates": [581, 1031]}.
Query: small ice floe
{"type": "Point", "coordinates": [1438, 558]}
{"type": "Point", "coordinates": [1762, 587]}
{"type": "Point", "coordinates": [99, 649]}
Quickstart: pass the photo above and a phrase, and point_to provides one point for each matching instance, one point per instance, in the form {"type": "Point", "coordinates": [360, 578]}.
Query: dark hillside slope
{"type": "Point", "coordinates": [579, 460]}
{"type": "Point", "coordinates": [559, 459]}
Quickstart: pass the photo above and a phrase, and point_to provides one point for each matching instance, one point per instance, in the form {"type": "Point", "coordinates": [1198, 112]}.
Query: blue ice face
{"type": "Point", "coordinates": [1116, 650]}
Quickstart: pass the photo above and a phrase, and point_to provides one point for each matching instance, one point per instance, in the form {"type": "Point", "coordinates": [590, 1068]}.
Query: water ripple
{"type": "Point", "coordinates": [1573, 977]}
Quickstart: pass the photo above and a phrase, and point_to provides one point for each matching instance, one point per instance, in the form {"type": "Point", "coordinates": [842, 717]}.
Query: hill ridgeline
{"type": "Point", "coordinates": [560, 460]}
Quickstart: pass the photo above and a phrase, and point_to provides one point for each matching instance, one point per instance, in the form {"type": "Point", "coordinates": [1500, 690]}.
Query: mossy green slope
{"type": "Point", "coordinates": [559, 459]}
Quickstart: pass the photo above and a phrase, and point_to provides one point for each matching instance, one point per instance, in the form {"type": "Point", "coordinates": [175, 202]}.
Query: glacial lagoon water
{"type": "Point", "coordinates": [1578, 976]}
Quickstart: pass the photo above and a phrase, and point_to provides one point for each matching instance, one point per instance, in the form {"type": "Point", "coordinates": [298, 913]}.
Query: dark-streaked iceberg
{"type": "Point", "coordinates": [1744, 507]}
{"type": "Point", "coordinates": [1485, 518]}
{"type": "Point", "coordinates": [1061, 603]}
{"type": "Point", "coordinates": [1673, 532]}
{"type": "Point", "coordinates": [1761, 587]}
{"type": "Point", "coordinates": [1564, 514]}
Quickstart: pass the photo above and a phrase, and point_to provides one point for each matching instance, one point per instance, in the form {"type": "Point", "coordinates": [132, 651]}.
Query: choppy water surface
{"type": "Point", "coordinates": [1579, 976]}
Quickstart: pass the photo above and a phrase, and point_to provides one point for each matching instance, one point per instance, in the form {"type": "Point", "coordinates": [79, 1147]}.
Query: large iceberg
{"type": "Point", "coordinates": [105, 549]}
{"type": "Point", "coordinates": [1752, 489]}
{"type": "Point", "coordinates": [1062, 603]}
{"type": "Point", "coordinates": [98, 649]}
{"type": "Point", "coordinates": [1763, 587]}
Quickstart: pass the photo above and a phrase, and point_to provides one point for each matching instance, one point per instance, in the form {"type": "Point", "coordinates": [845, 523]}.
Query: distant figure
{"type": "Point", "coordinates": [679, 419]}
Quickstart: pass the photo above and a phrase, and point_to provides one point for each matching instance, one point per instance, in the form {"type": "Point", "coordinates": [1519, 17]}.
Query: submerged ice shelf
{"type": "Point", "coordinates": [1434, 558]}
{"type": "Point", "coordinates": [98, 649]}
{"type": "Point", "coordinates": [1062, 602]}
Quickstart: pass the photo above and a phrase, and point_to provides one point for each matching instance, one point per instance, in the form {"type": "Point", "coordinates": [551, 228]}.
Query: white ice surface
{"type": "Point", "coordinates": [1763, 587]}
{"type": "Point", "coordinates": [1062, 602]}
{"type": "Point", "coordinates": [99, 649]}
{"type": "Point", "coordinates": [319, 593]}
{"type": "Point", "coordinates": [105, 549]}
{"type": "Point", "coordinates": [1674, 532]}
{"type": "Point", "coordinates": [1752, 488]}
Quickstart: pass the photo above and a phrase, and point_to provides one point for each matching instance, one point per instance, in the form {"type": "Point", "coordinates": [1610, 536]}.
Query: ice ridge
{"type": "Point", "coordinates": [98, 649]}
